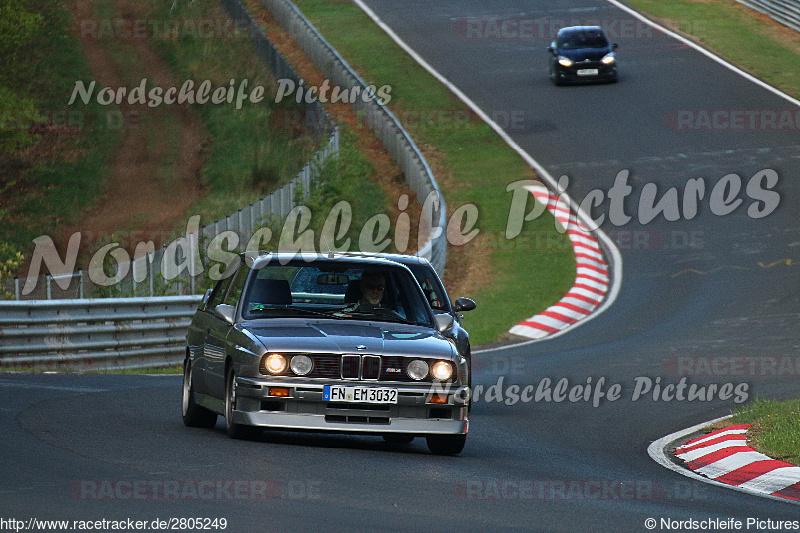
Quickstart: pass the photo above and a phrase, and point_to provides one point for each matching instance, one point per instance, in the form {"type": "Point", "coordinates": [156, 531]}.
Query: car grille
{"type": "Point", "coordinates": [361, 367]}
{"type": "Point", "coordinates": [370, 367]}
{"type": "Point", "coordinates": [351, 366]}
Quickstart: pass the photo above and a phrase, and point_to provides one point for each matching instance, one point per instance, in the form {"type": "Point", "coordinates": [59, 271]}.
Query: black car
{"type": "Point", "coordinates": [581, 54]}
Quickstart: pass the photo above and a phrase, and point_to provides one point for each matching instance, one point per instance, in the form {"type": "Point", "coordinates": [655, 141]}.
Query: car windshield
{"type": "Point", "coordinates": [582, 39]}
{"type": "Point", "coordinates": [339, 290]}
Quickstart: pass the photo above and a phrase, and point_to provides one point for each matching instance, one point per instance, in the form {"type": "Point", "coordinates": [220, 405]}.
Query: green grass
{"type": "Point", "coordinates": [776, 427]}
{"type": "Point", "coordinates": [524, 280]}
{"type": "Point", "coordinates": [63, 171]}
{"type": "Point", "coordinates": [734, 32]}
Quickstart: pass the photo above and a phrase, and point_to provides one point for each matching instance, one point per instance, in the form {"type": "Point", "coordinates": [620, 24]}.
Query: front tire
{"type": "Point", "coordinates": [446, 444]}
{"type": "Point", "coordinates": [234, 430]}
{"type": "Point", "coordinates": [554, 77]}
{"type": "Point", "coordinates": [194, 415]}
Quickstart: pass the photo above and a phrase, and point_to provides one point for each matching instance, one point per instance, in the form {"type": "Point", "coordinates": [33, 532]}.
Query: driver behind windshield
{"type": "Point", "coordinates": [371, 287]}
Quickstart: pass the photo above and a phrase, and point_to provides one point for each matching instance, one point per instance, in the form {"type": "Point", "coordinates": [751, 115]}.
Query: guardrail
{"type": "Point", "coordinates": [787, 12]}
{"type": "Point", "coordinates": [94, 334]}
{"type": "Point", "coordinates": [378, 118]}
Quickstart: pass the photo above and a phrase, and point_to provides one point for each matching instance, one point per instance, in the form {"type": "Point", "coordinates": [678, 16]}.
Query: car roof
{"type": "Point", "coordinates": [578, 29]}
{"type": "Point", "coordinates": [404, 259]}
{"type": "Point", "coordinates": [261, 258]}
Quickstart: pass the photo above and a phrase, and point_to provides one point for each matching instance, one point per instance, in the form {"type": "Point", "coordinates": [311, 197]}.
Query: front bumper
{"type": "Point", "coordinates": [604, 72]}
{"type": "Point", "coordinates": [305, 409]}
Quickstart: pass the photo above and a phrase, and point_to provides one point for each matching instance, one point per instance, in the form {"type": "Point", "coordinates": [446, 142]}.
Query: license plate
{"type": "Point", "coordinates": [588, 72]}
{"type": "Point", "coordinates": [338, 393]}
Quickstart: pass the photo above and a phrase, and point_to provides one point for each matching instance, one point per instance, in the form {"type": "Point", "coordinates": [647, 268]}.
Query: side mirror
{"type": "Point", "coordinates": [551, 49]}
{"type": "Point", "coordinates": [206, 296]}
{"type": "Point", "coordinates": [614, 46]}
{"type": "Point", "coordinates": [444, 321]}
{"type": "Point", "coordinates": [226, 312]}
{"type": "Point", "coordinates": [464, 304]}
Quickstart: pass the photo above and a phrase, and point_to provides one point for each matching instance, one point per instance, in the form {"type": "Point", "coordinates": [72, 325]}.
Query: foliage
{"type": "Point", "coordinates": [17, 27]}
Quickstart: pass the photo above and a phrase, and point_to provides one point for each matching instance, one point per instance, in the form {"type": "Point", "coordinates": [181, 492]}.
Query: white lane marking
{"type": "Point", "coordinates": [614, 286]}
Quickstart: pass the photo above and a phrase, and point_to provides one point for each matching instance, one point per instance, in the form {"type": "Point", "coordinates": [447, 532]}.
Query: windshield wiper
{"type": "Point", "coordinates": [288, 308]}
{"type": "Point", "coordinates": [383, 316]}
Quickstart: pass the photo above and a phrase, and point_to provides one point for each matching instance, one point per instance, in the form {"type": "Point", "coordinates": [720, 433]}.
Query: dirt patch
{"type": "Point", "coordinates": [138, 196]}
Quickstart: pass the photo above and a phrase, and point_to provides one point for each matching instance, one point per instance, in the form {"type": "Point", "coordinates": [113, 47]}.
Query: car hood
{"type": "Point", "coordinates": [338, 336]}
{"type": "Point", "coordinates": [581, 54]}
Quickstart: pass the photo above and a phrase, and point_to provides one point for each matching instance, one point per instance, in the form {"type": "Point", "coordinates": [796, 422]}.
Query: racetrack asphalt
{"type": "Point", "coordinates": [542, 466]}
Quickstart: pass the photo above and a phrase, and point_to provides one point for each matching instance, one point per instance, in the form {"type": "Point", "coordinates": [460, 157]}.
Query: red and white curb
{"type": "Point", "coordinates": [725, 457]}
{"type": "Point", "coordinates": [591, 282]}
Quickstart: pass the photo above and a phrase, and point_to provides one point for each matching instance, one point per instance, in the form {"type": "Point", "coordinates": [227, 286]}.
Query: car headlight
{"type": "Point", "coordinates": [442, 370]}
{"type": "Point", "coordinates": [417, 369]}
{"type": "Point", "coordinates": [564, 61]}
{"type": "Point", "coordinates": [301, 365]}
{"type": "Point", "coordinates": [608, 59]}
{"type": "Point", "coordinates": [273, 363]}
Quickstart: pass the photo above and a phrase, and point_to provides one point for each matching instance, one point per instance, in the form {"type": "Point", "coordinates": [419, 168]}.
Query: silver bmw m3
{"type": "Point", "coordinates": [330, 343]}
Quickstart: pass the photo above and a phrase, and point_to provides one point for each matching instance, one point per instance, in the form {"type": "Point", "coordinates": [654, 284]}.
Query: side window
{"type": "Point", "coordinates": [432, 289]}
{"type": "Point", "coordinates": [219, 292]}
{"type": "Point", "coordinates": [236, 286]}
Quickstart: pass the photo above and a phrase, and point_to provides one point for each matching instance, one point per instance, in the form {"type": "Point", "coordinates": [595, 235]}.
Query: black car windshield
{"type": "Point", "coordinates": [337, 289]}
{"type": "Point", "coordinates": [582, 39]}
